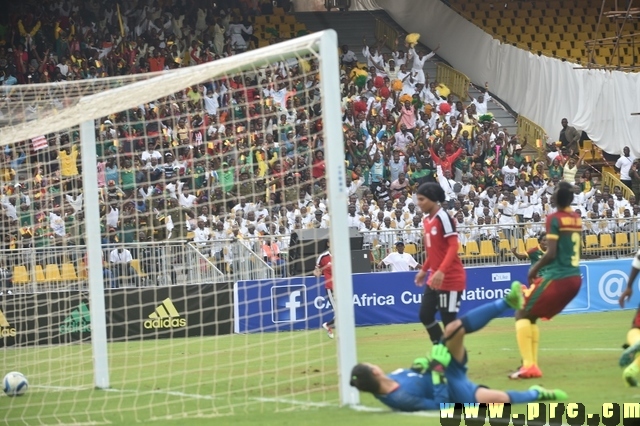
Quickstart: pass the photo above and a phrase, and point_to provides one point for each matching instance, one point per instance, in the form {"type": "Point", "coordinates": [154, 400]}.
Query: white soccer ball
{"type": "Point", "coordinates": [15, 384]}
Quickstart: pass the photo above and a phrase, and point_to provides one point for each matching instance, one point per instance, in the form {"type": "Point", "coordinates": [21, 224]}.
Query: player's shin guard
{"type": "Point", "coordinates": [521, 397]}
{"type": "Point", "coordinates": [477, 318]}
{"type": "Point", "coordinates": [435, 332]}
{"type": "Point", "coordinates": [524, 336]}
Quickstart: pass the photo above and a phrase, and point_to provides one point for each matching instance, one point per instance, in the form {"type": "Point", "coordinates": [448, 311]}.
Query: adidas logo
{"type": "Point", "coordinates": [165, 316]}
{"type": "Point", "coordinates": [5, 328]}
{"type": "Point", "coordinates": [78, 321]}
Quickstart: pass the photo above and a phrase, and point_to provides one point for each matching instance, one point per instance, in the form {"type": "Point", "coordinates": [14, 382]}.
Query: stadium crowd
{"type": "Point", "coordinates": [241, 157]}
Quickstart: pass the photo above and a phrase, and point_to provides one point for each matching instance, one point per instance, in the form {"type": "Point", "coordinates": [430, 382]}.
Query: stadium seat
{"type": "Point", "coordinates": [472, 249]}
{"type": "Point", "coordinates": [486, 249]}
{"type": "Point", "coordinates": [504, 245]}
{"type": "Point", "coordinates": [40, 274]}
{"type": "Point", "coordinates": [52, 273]}
{"type": "Point", "coordinates": [411, 249]}
{"type": "Point", "coordinates": [461, 251]}
{"type": "Point", "coordinates": [20, 275]}
{"type": "Point", "coordinates": [622, 240]}
{"type": "Point", "coordinates": [606, 241]}
{"type": "Point", "coordinates": [531, 244]}
{"type": "Point", "coordinates": [520, 245]}
{"type": "Point", "coordinates": [289, 19]}
{"type": "Point", "coordinates": [261, 20]}
{"type": "Point", "coordinates": [68, 272]}
{"type": "Point", "coordinates": [591, 241]}
{"type": "Point", "coordinates": [278, 11]}
{"type": "Point", "coordinates": [135, 264]}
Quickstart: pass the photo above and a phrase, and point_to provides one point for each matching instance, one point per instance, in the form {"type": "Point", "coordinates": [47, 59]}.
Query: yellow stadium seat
{"type": "Point", "coordinates": [68, 272]}
{"type": "Point", "coordinates": [472, 249]}
{"type": "Point", "coordinates": [263, 43]}
{"type": "Point", "coordinates": [52, 273]}
{"type": "Point", "coordinates": [536, 46]}
{"type": "Point", "coordinates": [532, 243]}
{"type": "Point", "coordinates": [535, 13]}
{"type": "Point", "coordinates": [520, 245]}
{"type": "Point", "coordinates": [606, 241]}
{"type": "Point", "coordinates": [411, 249]}
{"type": "Point", "coordinates": [486, 249]}
{"type": "Point", "coordinates": [40, 274]}
{"type": "Point", "coordinates": [591, 241]}
{"type": "Point", "coordinates": [299, 26]}
{"type": "Point", "coordinates": [622, 239]}
{"type": "Point", "coordinates": [135, 264]}
{"type": "Point", "coordinates": [289, 19]}
{"type": "Point", "coordinates": [261, 20]}
{"type": "Point", "coordinates": [190, 235]}
{"type": "Point", "coordinates": [520, 22]}
{"type": "Point", "coordinates": [572, 28]}
{"type": "Point", "coordinates": [20, 275]}
{"type": "Point", "coordinates": [278, 10]}
{"type": "Point", "coordinates": [504, 245]}
{"type": "Point", "coordinates": [276, 19]}
{"type": "Point", "coordinates": [562, 20]}
{"type": "Point", "coordinates": [554, 36]}
{"type": "Point", "coordinates": [460, 249]}
{"type": "Point", "coordinates": [566, 45]}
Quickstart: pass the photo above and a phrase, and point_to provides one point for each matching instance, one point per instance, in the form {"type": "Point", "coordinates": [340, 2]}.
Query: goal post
{"type": "Point", "coordinates": [150, 216]}
{"type": "Point", "coordinates": [94, 257]}
{"type": "Point", "coordinates": [341, 259]}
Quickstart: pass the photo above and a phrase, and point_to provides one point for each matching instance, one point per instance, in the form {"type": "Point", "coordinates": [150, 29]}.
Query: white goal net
{"type": "Point", "coordinates": [160, 236]}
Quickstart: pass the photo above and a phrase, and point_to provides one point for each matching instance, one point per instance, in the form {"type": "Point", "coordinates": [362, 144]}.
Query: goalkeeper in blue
{"type": "Point", "coordinates": [442, 377]}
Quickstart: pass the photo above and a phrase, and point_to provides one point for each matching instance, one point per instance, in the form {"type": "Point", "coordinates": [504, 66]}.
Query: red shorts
{"type": "Point", "coordinates": [547, 297]}
{"type": "Point", "coordinates": [636, 319]}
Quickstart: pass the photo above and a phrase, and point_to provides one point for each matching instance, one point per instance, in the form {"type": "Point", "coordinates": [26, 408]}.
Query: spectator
{"type": "Point", "coordinates": [399, 260]}
{"type": "Point", "coordinates": [121, 259]}
{"type": "Point", "coordinates": [623, 166]}
{"type": "Point", "coordinates": [569, 136]}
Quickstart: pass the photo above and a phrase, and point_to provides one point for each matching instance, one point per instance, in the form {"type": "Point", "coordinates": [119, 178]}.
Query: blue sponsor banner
{"type": "Point", "coordinates": [392, 298]}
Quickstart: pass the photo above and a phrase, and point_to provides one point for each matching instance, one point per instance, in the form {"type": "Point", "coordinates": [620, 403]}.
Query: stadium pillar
{"type": "Point", "coordinates": [337, 199]}
{"type": "Point", "coordinates": [94, 255]}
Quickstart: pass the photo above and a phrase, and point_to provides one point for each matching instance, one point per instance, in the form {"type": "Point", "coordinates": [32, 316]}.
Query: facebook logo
{"type": "Point", "coordinates": [288, 303]}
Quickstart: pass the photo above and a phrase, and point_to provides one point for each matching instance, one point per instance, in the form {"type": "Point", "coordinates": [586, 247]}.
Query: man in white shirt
{"type": "Point", "coordinates": [121, 259]}
{"type": "Point", "coordinates": [201, 234]}
{"type": "Point", "coordinates": [624, 164]}
{"type": "Point", "coordinates": [481, 102]}
{"type": "Point", "coordinates": [348, 58]}
{"type": "Point", "coordinates": [399, 260]}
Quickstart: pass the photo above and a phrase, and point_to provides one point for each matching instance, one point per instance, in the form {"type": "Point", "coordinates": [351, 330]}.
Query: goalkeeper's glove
{"type": "Point", "coordinates": [441, 354]}
{"type": "Point", "coordinates": [420, 365]}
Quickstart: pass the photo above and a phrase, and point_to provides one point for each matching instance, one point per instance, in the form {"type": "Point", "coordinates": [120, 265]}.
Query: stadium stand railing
{"type": "Point", "coordinates": [387, 33]}
{"type": "Point", "coordinates": [455, 80]}
{"type": "Point", "coordinates": [611, 180]}
{"type": "Point", "coordinates": [167, 263]}
{"type": "Point", "coordinates": [534, 133]}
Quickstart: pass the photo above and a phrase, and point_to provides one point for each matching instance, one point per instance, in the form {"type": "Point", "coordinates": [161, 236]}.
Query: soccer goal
{"type": "Point", "coordinates": [161, 233]}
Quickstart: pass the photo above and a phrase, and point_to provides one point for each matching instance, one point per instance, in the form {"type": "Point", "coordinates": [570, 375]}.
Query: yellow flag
{"type": "Point", "coordinates": [120, 20]}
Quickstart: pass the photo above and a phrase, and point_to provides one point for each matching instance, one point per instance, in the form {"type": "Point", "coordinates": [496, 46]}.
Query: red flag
{"type": "Point", "coordinates": [39, 143]}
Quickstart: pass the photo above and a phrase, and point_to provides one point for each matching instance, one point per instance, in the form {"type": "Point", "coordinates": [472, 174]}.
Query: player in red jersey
{"type": "Point", "coordinates": [323, 268]}
{"type": "Point", "coordinates": [554, 280]}
{"type": "Point", "coordinates": [447, 280]}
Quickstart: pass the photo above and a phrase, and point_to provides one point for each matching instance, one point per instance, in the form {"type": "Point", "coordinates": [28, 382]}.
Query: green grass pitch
{"type": "Point", "coordinates": [169, 382]}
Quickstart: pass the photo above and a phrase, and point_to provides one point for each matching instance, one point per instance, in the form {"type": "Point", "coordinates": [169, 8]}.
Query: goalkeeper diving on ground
{"type": "Point", "coordinates": [442, 377]}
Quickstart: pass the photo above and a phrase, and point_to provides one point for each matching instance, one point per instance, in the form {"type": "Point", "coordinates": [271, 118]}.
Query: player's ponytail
{"type": "Point", "coordinates": [432, 191]}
